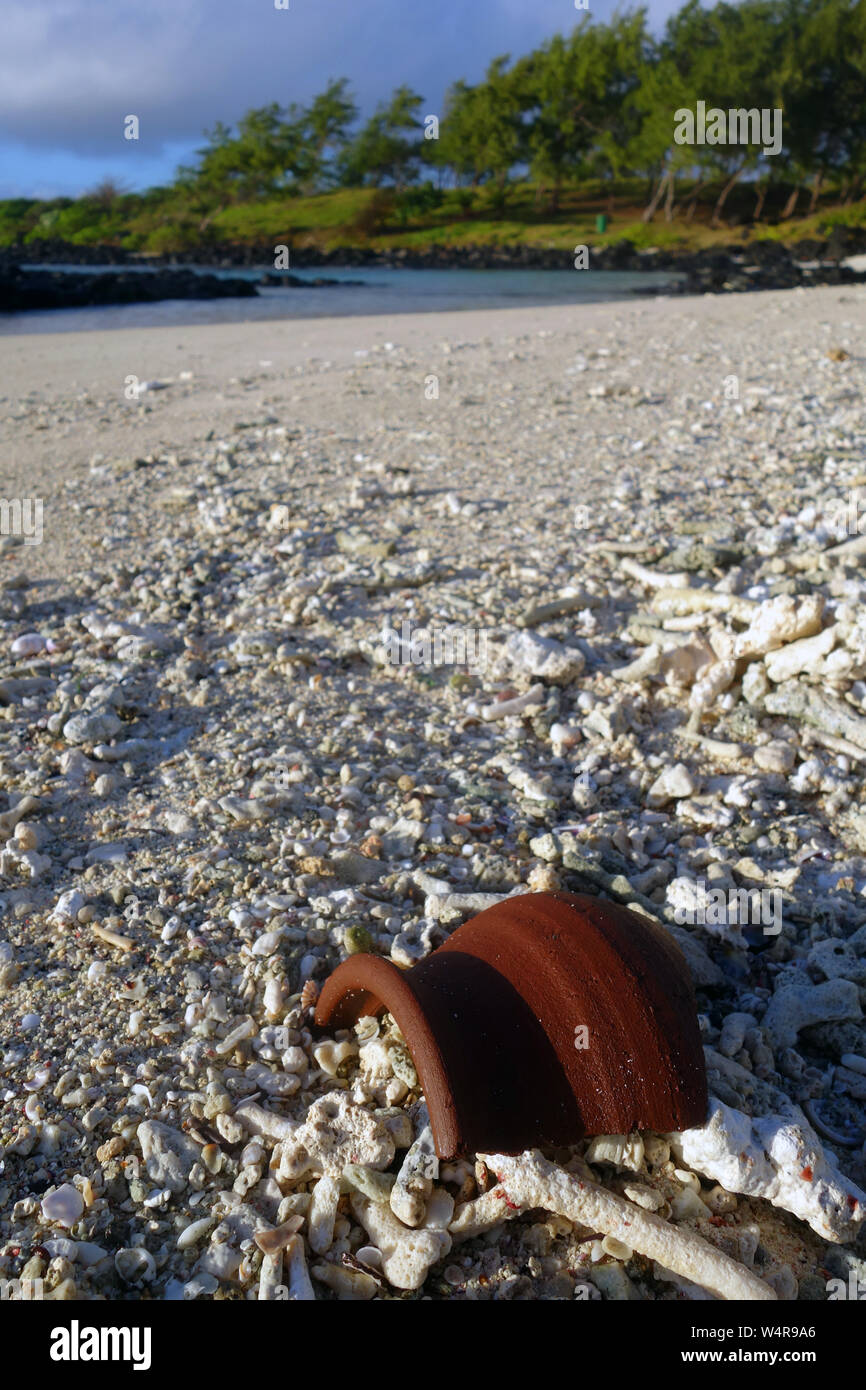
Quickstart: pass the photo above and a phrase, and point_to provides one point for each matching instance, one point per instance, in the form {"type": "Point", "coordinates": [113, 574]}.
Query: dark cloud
{"type": "Point", "coordinates": [71, 70]}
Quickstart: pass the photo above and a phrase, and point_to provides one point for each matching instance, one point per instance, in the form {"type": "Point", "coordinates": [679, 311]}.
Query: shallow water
{"type": "Point", "coordinates": [386, 290]}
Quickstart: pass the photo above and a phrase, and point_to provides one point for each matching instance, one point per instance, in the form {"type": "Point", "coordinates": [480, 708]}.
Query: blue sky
{"type": "Point", "coordinates": [71, 70]}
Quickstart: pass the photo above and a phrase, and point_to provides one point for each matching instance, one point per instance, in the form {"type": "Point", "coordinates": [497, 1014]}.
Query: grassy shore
{"type": "Point", "coordinates": [382, 220]}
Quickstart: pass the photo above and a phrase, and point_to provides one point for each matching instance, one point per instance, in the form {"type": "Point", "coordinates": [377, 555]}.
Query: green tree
{"type": "Point", "coordinates": [826, 101]}
{"type": "Point", "coordinates": [578, 93]}
{"type": "Point", "coordinates": [733, 57]}
{"type": "Point", "coordinates": [385, 149]}
{"type": "Point", "coordinates": [322, 132]}
{"type": "Point", "coordinates": [482, 134]}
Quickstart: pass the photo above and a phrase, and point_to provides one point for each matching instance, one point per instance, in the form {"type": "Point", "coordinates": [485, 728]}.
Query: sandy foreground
{"type": "Point", "coordinates": [221, 781]}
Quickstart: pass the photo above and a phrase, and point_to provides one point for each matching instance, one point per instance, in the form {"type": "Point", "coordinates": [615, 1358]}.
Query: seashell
{"type": "Point", "coordinates": [64, 1205]}
{"type": "Point", "coordinates": [30, 644]}
{"type": "Point", "coordinates": [38, 1080]}
{"type": "Point", "coordinates": [32, 1109]}
{"type": "Point", "coordinates": [547, 1017]}
{"type": "Point", "coordinates": [135, 1264]}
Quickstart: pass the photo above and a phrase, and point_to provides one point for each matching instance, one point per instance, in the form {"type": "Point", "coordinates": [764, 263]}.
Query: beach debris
{"type": "Point", "coordinates": [530, 1180]}
{"type": "Point", "coordinates": [778, 1158]}
{"type": "Point", "coordinates": [219, 782]}
{"type": "Point", "coordinates": [407, 1253]}
{"type": "Point", "coordinates": [544, 977]}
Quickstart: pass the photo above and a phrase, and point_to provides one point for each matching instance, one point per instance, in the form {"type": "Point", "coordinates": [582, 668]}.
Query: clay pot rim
{"type": "Point", "coordinates": [392, 990]}
{"type": "Point", "coordinates": [506, 978]}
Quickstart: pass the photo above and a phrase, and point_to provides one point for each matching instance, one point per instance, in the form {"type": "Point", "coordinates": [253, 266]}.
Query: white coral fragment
{"type": "Point", "coordinates": [710, 684]}
{"type": "Point", "coordinates": [622, 1150]}
{"type": "Point", "coordinates": [778, 621]}
{"type": "Point", "coordinates": [800, 656]}
{"type": "Point", "coordinates": [533, 1181]}
{"type": "Point", "coordinates": [407, 1254]}
{"type": "Point", "coordinates": [778, 1158]}
{"type": "Point", "coordinates": [297, 1274]}
{"type": "Point", "coordinates": [481, 1214]}
{"type": "Point", "coordinates": [335, 1132]}
{"type": "Point", "coordinates": [528, 653]}
{"type": "Point", "coordinates": [411, 1191]}
{"type": "Point", "coordinates": [323, 1213]}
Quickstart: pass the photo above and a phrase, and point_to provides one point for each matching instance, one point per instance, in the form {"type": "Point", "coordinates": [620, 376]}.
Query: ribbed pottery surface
{"type": "Point", "coordinates": [554, 1016]}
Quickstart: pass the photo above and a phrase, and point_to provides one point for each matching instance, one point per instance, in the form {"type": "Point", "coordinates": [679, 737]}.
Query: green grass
{"type": "Point", "coordinates": [164, 221]}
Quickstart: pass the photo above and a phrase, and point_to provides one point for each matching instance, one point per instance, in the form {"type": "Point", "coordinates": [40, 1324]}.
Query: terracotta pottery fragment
{"type": "Point", "coordinates": [547, 1017]}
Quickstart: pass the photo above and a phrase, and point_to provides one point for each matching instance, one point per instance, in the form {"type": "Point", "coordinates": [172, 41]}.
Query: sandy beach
{"type": "Point", "coordinates": [218, 783]}
{"type": "Point", "coordinates": [64, 395]}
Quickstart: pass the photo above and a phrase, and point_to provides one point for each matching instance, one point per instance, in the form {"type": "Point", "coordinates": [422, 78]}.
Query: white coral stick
{"type": "Point", "coordinates": [654, 579]}
{"type": "Point", "coordinates": [503, 709]}
{"type": "Point", "coordinates": [300, 1288]}
{"type": "Point", "coordinates": [482, 1213]}
{"type": "Point", "coordinates": [260, 1121]}
{"type": "Point", "coordinates": [532, 1181]}
{"type": "Point", "coordinates": [270, 1277]}
{"type": "Point", "coordinates": [673, 603]}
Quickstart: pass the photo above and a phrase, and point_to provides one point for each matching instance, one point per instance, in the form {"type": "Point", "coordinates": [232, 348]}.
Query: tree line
{"type": "Point", "coordinates": [596, 108]}
{"type": "Point", "coordinates": [596, 104]}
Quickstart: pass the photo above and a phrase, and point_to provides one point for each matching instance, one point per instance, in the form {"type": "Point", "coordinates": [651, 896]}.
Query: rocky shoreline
{"type": "Point", "coordinates": [62, 289]}
{"type": "Point", "coordinates": [77, 289]}
{"type": "Point", "coordinates": [733, 268]}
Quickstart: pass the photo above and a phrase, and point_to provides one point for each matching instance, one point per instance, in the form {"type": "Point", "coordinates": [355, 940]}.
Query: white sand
{"type": "Point", "coordinates": [63, 394]}
{"type": "Point", "coordinates": [236, 643]}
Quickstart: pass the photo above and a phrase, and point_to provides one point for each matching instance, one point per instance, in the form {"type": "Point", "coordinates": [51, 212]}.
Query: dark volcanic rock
{"type": "Point", "coordinates": [67, 289]}
{"type": "Point", "coordinates": [762, 263]}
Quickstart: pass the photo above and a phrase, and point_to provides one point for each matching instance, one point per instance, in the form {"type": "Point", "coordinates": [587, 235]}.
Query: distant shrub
{"type": "Point", "coordinates": [495, 198]}
{"type": "Point", "coordinates": [375, 215]}
{"type": "Point", "coordinates": [853, 216]}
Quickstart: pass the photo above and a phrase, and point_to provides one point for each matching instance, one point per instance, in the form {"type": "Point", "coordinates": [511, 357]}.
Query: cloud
{"type": "Point", "coordinates": [71, 70]}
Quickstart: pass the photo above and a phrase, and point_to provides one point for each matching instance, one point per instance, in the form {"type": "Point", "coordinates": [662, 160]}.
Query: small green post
{"type": "Point", "coordinates": [601, 222]}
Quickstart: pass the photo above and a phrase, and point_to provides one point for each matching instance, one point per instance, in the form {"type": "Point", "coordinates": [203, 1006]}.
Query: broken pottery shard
{"type": "Point", "coordinates": [585, 1013]}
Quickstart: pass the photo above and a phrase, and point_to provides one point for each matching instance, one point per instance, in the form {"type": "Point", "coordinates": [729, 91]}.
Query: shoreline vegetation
{"type": "Point", "coordinates": [576, 145]}
{"type": "Point", "coordinates": [132, 278]}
